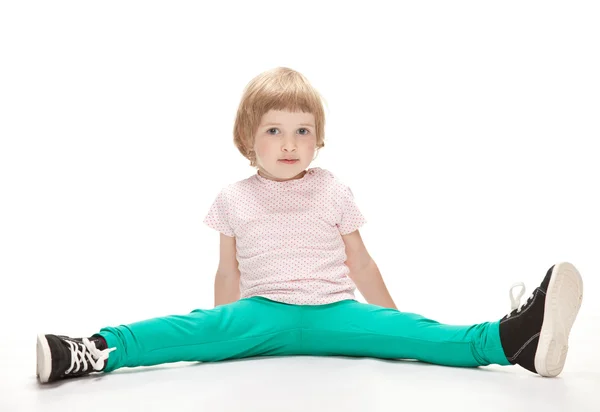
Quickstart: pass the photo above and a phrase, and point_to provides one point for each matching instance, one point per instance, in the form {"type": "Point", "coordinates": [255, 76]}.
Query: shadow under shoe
{"type": "Point", "coordinates": [535, 334]}
{"type": "Point", "coordinates": [62, 357]}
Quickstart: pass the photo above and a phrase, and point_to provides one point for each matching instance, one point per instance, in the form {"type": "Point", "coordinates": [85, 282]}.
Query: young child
{"type": "Point", "coordinates": [291, 257]}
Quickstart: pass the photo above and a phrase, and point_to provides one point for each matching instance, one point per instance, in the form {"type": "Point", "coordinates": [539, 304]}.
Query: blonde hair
{"type": "Point", "coordinates": [277, 89]}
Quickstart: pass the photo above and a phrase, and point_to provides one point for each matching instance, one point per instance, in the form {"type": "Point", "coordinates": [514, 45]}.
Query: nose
{"type": "Point", "coordinates": [289, 144]}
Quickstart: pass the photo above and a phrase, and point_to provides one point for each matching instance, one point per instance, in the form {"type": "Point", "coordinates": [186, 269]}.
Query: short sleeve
{"type": "Point", "coordinates": [351, 217]}
{"type": "Point", "coordinates": [218, 215]}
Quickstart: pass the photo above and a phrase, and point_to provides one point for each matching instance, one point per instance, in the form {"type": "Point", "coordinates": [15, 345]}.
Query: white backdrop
{"type": "Point", "coordinates": [468, 132]}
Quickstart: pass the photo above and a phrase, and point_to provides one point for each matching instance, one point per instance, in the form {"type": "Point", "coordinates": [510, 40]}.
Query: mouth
{"type": "Point", "coordinates": [290, 161]}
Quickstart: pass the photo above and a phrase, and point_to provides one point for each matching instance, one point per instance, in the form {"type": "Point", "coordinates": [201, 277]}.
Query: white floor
{"type": "Point", "coordinates": [308, 383]}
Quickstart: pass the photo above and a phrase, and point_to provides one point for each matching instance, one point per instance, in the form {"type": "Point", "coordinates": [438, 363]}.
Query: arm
{"type": "Point", "coordinates": [227, 288]}
{"type": "Point", "coordinates": [364, 272]}
{"type": "Point", "coordinates": [227, 279]}
{"type": "Point", "coordinates": [369, 282]}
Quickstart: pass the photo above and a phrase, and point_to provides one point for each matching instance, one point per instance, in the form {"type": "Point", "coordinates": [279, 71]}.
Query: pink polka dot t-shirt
{"type": "Point", "coordinates": [289, 236]}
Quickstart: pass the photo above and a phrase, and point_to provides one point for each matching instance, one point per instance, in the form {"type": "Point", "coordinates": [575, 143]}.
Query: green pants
{"type": "Point", "coordinates": [261, 327]}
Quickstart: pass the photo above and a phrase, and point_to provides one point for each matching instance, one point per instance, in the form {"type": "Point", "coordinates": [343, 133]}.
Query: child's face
{"type": "Point", "coordinates": [292, 137]}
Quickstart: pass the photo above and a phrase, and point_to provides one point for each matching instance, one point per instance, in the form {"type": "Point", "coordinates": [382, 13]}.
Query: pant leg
{"type": "Point", "coordinates": [246, 328]}
{"type": "Point", "coordinates": [351, 328]}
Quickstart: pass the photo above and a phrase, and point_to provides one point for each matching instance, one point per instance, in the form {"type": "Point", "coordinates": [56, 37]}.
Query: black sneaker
{"type": "Point", "coordinates": [60, 357]}
{"type": "Point", "coordinates": [535, 335]}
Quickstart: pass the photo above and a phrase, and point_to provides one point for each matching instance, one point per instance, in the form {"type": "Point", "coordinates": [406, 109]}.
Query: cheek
{"type": "Point", "coordinates": [263, 146]}
{"type": "Point", "coordinates": [309, 144]}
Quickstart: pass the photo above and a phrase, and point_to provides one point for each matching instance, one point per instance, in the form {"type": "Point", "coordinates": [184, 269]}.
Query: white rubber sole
{"type": "Point", "coordinates": [563, 300]}
{"type": "Point", "coordinates": [44, 359]}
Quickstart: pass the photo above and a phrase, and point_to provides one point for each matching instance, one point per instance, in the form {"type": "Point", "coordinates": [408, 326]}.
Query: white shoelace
{"type": "Point", "coordinates": [515, 302]}
{"type": "Point", "coordinates": [82, 353]}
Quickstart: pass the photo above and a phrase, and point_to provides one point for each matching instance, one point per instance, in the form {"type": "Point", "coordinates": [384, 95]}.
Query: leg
{"type": "Point", "coordinates": [351, 328]}
{"type": "Point", "coordinates": [246, 328]}
{"type": "Point", "coordinates": [534, 335]}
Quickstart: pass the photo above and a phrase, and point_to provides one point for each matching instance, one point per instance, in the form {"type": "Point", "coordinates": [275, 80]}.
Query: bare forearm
{"type": "Point", "coordinates": [227, 289]}
{"type": "Point", "coordinates": [369, 282]}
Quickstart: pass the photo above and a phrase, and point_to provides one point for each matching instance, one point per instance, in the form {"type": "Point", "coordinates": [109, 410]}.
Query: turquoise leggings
{"type": "Point", "coordinates": [261, 327]}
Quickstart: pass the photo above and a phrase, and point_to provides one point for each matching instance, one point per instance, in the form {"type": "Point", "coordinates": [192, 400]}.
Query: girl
{"type": "Point", "coordinates": [291, 257]}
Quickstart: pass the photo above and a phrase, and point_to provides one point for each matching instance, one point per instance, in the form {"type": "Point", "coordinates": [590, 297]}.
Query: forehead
{"type": "Point", "coordinates": [286, 117]}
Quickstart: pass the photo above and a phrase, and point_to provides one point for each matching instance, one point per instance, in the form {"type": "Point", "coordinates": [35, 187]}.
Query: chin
{"type": "Point", "coordinates": [288, 171]}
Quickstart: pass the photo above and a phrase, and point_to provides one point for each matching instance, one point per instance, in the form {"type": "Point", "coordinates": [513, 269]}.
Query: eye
{"type": "Point", "coordinates": [303, 134]}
